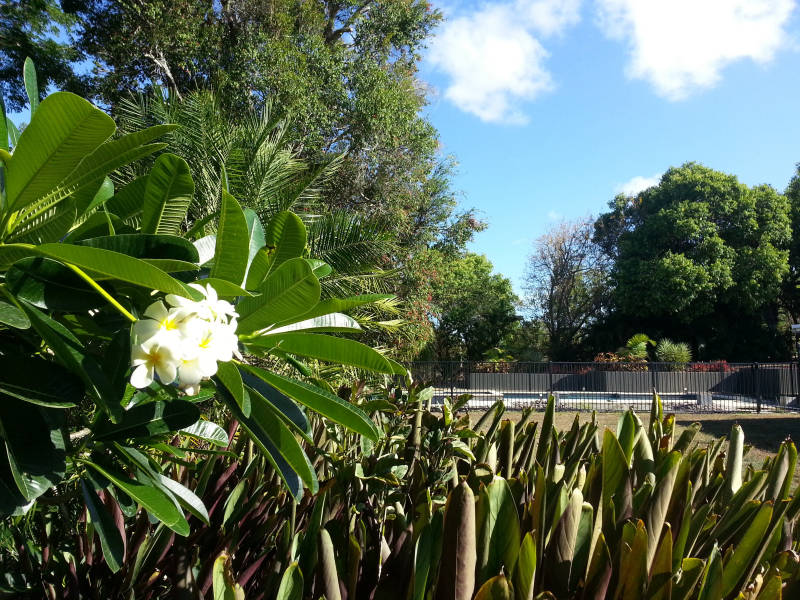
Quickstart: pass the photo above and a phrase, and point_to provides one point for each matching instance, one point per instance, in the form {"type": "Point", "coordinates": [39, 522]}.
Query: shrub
{"type": "Point", "coordinates": [677, 353]}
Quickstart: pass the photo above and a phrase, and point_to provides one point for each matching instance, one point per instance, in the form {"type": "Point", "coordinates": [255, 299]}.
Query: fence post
{"type": "Point", "coordinates": [550, 376]}
{"type": "Point", "coordinates": [757, 387]}
{"type": "Point", "coordinates": [452, 379]}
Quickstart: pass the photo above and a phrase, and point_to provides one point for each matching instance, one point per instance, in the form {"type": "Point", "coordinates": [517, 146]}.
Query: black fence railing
{"type": "Point", "coordinates": [692, 387]}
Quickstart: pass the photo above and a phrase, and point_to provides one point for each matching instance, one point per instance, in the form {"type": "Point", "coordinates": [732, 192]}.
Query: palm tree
{"type": "Point", "coordinates": [252, 155]}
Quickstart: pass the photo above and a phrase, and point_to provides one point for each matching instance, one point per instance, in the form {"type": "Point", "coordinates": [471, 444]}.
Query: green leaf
{"type": "Point", "coordinates": [110, 539]}
{"type": "Point", "coordinates": [659, 502]}
{"type": "Point", "coordinates": [497, 588]}
{"type": "Point", "coordinates": [34, 445]}
{"type": "Point", "coordinates": [207, 431]}
{"type": "Point", "coordinates": [152, 498]}
{"type": "Point", "coordinates": [271, 434]}
{"type": "Point", "coordinates": [167, 196]}
{"type": "Point", "coordinates": [332, 323]}
{"type": "Point", "coordinates": [321, 401]}
{"type": "Point", "coordinates": [144, 246]}
{"type": "Point", "coordinates": [224, 586]}
{"type": "Point", "coordinates": [21, 378]}
{"type": "Point", "coordinates": [320, 268]}
{"type": "Point", "coordinates": [525, 571]}
{"type": "Point", "coordinates": [31, 84]}
{"type": "Point", "coordinates": [291, 587]}
{"type": "Point", "coordinates": [70, 352]}
{"type": "Point", "coordinates": [561, 551]}
{"type": "Point", "coordinates": [284, 238]}
{"type": "Point", "coordinates": [711, 587]}
{"type": "Point", "coordinates": [49, 225]}
{"type": "Point", "coordinates": [3, 133]}
{"type": "Point", "coordinates": [745, 551]}
{"type": "Point", "coordinates": [12, 316]}
{"type": "Point", "coordinates": [64, 130]}
{"type": "Point", "coordinates": [289, 476]}
{"type": "Point", "coordinates": [291, 413]}
{"type": "Point", "coordinates": [255, 233]}
{"type": "Point", "coordinates": [186, 497]}
{"type": "Point", "coordinates": [147, 420]}
{"type": "Point", "coordinates": [224, 288]}
{"type": "Point", "coordinates": [228, 375]}
{"type": "Point", "coordinates": [115, 265]}
{"type": "Point", "coordinates": [335, 305]}
{"type": "Point", "coordinates": [327, 348]}
{"type": "Point", "coordinates": [48, 284]}
{"type": "Point", "coordinates": [13, 132]}
{"type": "Point", "coordinates": [98, 224]}
{"type": "Point", "coordinates": [289, 291]}
{"type": "Point", "coordinates": [128, 201]}
{"type": "Point", "coordinates": [498, 532]}
{"type": "Point", "coordinates": [233, 242]}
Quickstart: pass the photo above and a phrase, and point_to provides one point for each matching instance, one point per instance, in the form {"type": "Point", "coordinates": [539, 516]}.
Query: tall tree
{"type": "Point", "coordinates": [566, 283]}
{"type": "Point", "coordinates": [473, 307]}
{"type": "Point", "coordinates": [38, 29]}
{"type": "Point", "coordinates": [701, 257]}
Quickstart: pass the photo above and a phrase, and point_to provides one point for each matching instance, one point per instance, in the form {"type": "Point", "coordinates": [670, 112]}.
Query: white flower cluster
{"type": "Point", "coordinates": [183, 343]}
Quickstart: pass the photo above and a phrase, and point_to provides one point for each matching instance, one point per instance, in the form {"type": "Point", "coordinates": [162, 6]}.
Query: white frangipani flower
{"type": "Point", "coordinates": [184, 341]}
{"type": "Point", "coordinates": [154, 359]}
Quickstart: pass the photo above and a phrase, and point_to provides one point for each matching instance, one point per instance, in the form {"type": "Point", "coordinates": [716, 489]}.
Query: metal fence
{"type": "Point", "coordinates": [693, 387]}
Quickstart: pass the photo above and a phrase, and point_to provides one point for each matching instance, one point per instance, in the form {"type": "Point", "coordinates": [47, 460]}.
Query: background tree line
{"type": "Point", "coordinates": [700, 258]}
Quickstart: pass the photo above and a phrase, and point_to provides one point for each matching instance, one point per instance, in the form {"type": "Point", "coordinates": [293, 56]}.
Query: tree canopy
{"type": "Point", "coordinates": [701, 254]}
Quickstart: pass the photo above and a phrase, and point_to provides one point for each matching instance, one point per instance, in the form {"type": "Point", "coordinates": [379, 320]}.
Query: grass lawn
{"type": "Point", "coordinates": [763, 432]}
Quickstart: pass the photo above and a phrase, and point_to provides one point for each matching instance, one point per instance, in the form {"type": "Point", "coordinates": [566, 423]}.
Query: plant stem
{"type": "Point", "coordinates": [102, 292]}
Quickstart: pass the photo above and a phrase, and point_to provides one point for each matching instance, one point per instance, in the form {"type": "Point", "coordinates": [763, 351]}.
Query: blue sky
{"type": "Point", "coordinates": [551, 107]}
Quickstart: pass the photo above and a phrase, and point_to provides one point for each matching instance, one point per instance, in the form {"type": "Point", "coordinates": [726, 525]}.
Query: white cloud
{"type": "Point", "coordinates": [554, 215]}
{"type": "Point", "coordinates": [493, 59]}
{"type": "Point", "coordinates": [637, 184]}
{"type": "Point", "coordinates": [682, 45]}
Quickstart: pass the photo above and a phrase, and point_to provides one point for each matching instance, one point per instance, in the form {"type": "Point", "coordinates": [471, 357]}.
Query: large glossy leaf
{"type": "Point", "coordinates": [127, 203]}
{"type": "Point", "coordinates": [110, 539]}
{"type": "Point", "coordinates": [332, 323]}
{"type": "Point", "coordinates": [525, 571]}
{"type": "Point", "coordinates": [291, 290]}
{"type": "Point", "coordinates": [561, 551]}
{"type": "Point", "coordinates": [290, 477]}
{"type": "Point", "coordinates": [65, 129]}
{"type": "Point", "coordinates": [712, 585]}
{"type": "Point", "coordinates": [22, 377]}
{"type": "Point", "coordinates": [255, 233]}
{"type": "Point", "coordinates": [34, 445]}
{"type": "Point", "coordinates": [31, 84]}
{"type": "Point", "coordinates": [292, 414]}
{"type": "Point", "coordinates": [186, 497]}
{"type": "Point", "coordinates": [152, 498]}
{"type": "Point", "coordinates": [147, 420]}
{"type": "Point", "coordinates": [50, 224]}
{"type": "Point", "coordinates": [285, 238]}
{"type": "Point", "coordinates": [228, 375]}
{"type": "Point", "coordinates": [88, 176]}
{"type": "Point", "coordinates": [456, 579]}
{"type": "Point", "coordinates": [71, 353]}
{"type": "Point", "coordinates": [328, 348]}
{"type": "Point", "coordinates": [167, 196]}
{"type": "Point", "coordinates": [224, 585]}
{"type": "Point", "coordinates": [98, 224]}
{"type": "Point", "coordinates": [291, 587]}
{"type": "Point", "coordinates": [497, 588]}
{"type": "Point", "coordinates": [659, 501]}
{"type": "Point", "coordinates": [745, 551]}
{"type": "Point", "coordinates": [321, 401]}
{"type": "Point", "coordinates": [233, 242]}
{"type": "Point", "coordinates": [143, 246]}
{"type": "Point", "coordinates": [115, 265]}
{"type": "Point", "coordinates": [48, 284]}
{"type": "Point", "coordinates": [207, 431]}
{"type": "Point", "coordinates": [498, 532]}
{"type": "Point", "coordinates": [335, 305]}
{"type": "Point", "coordinates": [12, 316]}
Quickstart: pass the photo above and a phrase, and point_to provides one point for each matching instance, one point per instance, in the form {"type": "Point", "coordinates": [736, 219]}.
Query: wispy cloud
{"type": "Point", "coordinates": [554, 215]}
{"type": "Point", "coordinates": [680, 46]}
{"type": "Point", "coordinates": [493, 57]}
{"type": "Point", "coordinates": [637, 184]}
